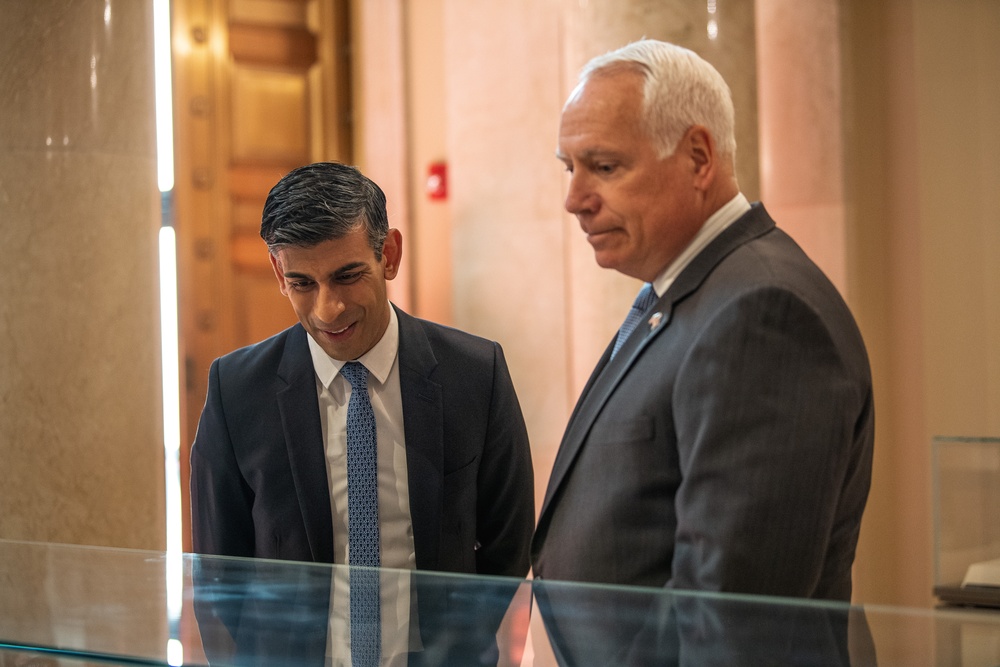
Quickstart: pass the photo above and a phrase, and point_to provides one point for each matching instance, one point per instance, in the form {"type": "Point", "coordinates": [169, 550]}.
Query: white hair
{"type": "Point", "coordinates": [680, 90]}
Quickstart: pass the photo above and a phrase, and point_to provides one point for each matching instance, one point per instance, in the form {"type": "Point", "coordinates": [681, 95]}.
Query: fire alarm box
{"type": "Point", "coordinates": [437, 180]}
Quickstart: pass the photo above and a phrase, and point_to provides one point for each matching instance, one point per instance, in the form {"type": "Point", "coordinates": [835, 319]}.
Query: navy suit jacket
{"type": "Point", "coordinates": [258, 468]}
{"type": "Point", "coordinates": [728, 445]}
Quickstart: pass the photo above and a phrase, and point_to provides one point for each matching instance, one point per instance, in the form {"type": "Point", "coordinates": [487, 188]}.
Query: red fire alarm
{"type": "Point", "coordinates": [437, 180]}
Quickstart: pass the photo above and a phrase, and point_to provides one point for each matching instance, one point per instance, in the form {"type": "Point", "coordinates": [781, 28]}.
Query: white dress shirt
{"type": "Point", "coordinates": [334, 391]}
{"type": "Point", "coordinates": [715, 225]}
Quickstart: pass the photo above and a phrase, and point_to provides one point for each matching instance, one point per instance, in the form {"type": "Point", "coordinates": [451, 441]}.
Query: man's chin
{"type": "Point", "coordinates": [607, 260]}
{"type": "Point", "coordinates": [332, 350]}
{"type": "Point", "coordinates": [615, 263]}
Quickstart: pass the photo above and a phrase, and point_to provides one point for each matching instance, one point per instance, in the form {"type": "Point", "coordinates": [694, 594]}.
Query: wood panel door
{"type": "Point", "coordinates": [260, 87]}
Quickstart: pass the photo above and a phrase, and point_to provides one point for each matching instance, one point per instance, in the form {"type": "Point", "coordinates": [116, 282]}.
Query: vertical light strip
{"type": "Point", "coordinates": [170, 349]}
{"type": "Point", "coordinates": [174, 562]}
{"type": "Point", "coordinates": [171, 383]}
{"type": "Point", "coordinates": [169, 354]}
{"type": "Point", "coordinates": [164, 97]}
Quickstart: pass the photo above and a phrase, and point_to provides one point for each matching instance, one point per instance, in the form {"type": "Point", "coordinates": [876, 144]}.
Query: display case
{"type": "Point", "coordinates": [74, 606]}
{"type": "Point", "coordinates": [966, 500]}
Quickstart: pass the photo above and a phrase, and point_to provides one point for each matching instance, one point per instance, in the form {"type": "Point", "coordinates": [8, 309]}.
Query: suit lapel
{"type": "Point", "coordinates": [423, 429]}
{"type": "Point", "coordinates": [300, 422]}
{"type": "Point", "coordinates": [602, 383]}
{"type": "Point", "coordinates": [609, 372]}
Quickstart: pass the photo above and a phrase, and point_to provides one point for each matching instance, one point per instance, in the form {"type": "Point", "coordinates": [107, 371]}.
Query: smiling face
{"type": "Point", "coordinates": [639, 211]}
{"type": "Point", "coordinates": [338, 290]}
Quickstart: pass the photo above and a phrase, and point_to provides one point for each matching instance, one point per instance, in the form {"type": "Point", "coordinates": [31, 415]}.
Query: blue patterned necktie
{"type": "Point", "coordinates": [645, 299]}
{"type": "Point", "coordinates": [362, 520]}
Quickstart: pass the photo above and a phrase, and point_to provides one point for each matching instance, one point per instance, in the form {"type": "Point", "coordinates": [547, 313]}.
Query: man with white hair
{"type": "Point", "coordinates": [724, 440]}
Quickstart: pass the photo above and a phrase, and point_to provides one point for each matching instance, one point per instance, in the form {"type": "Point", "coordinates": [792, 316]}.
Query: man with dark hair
{"type": "Point", "coordinates": [724, 440]}
{"type": "Point", "coordinates": [361, 432]}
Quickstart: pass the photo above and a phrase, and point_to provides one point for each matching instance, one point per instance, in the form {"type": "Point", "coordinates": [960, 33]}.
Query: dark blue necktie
{"type": "Point", "coordinates": [362, 520]}
{"type": "Point", "coordinates": [645, 299]}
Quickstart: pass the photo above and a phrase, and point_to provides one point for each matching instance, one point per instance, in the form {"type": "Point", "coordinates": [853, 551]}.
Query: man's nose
{"type": "Point", "coordinates": [329, 305]}
{"type": "Point", "coordinates": [579, 198]}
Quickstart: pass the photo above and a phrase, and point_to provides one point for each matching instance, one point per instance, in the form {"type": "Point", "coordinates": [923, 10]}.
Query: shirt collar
{"type": "Point", "coordinates": [377, 360]}
{"type": "Point", "coordinates": [717, 223]}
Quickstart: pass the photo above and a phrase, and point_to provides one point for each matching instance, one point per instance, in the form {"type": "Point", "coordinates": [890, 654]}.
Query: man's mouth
{"type": "Point", "coordinates": [598, 234]}
{"type": "Point", "coordinates": [337, 332]}
{"type": "Point", "coordinates": [591, 229]}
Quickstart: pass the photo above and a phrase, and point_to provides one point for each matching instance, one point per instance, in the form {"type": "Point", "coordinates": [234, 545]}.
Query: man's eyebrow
{"type": "Point", "coordinates": [352, 266]}
{"type": "Point", "coordinates": [349, 267]}
{"type": "Point", "coordinates": [596, 153]}
{"type": "Point", "coordinates": [589, 154]}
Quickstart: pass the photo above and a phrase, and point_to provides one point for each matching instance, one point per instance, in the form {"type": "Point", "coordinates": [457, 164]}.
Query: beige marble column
{"type": "Point", "coordinates": [380, 106]}
{"type": "Point", "coordinates": [801, 133]}
{"type": "Point", "coordinates": [80, 418]}
{"type": "Point", "coordinates": [503, 96]}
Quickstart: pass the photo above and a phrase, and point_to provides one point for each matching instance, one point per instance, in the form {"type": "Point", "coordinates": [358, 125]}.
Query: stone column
{"type": "Point", "coordinates": [801, 133]}
{"type": "Point", "coordinates": [81, 445]}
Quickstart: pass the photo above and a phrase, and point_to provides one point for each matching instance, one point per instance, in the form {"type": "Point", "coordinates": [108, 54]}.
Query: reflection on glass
{"type": "Point", "coordinates": [274, 613]}
{"type": "Point", "coordinates": [65, 605]}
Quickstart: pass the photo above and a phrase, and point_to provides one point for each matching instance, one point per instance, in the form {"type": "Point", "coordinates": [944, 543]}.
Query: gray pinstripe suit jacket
{"type": "Point", "coordinates": [728, 448]}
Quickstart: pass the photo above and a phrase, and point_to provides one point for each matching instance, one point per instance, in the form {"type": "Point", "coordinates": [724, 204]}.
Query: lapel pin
{"type": "Point", "coordinates": [655, 320]}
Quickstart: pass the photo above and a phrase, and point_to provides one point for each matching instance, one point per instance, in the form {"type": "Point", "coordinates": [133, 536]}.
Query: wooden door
{"type": "Point", "coordinates": [260, 87]}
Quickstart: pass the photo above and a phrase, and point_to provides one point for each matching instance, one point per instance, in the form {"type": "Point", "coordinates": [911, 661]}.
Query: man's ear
{"type": "Point", "coordinates": [703, 154]}
{"type": "Point", "coordinates": [278, 273]}
{"type": "Point", "coordinates": [392, 253]}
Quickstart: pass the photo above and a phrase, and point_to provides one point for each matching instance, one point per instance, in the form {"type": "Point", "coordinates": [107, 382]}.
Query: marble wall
{"type": "Point", "coordinates": [922, 190]}
{"type": "Point", "coordinates": [81, 442]}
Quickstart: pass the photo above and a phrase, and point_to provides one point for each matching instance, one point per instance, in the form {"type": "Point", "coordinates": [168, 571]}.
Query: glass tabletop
{"type": "Point", "coordinates": [71, 605]}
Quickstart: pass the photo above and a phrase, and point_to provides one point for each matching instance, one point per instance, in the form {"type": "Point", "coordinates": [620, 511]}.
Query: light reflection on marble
{"type": "Point", "coordinates": [70, 69]}
{"type": "Point", "coordinates": [80, 434]}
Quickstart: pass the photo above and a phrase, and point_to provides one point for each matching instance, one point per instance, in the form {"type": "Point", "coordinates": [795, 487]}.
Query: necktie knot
{"type": "Point", "coordinates": [646, 298]}
{"type": "Point", "coordinates": [355, 373]}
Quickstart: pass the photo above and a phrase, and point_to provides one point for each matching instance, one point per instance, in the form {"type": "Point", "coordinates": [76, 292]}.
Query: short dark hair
{"type": "Point", "coordinates": [320, 202]}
